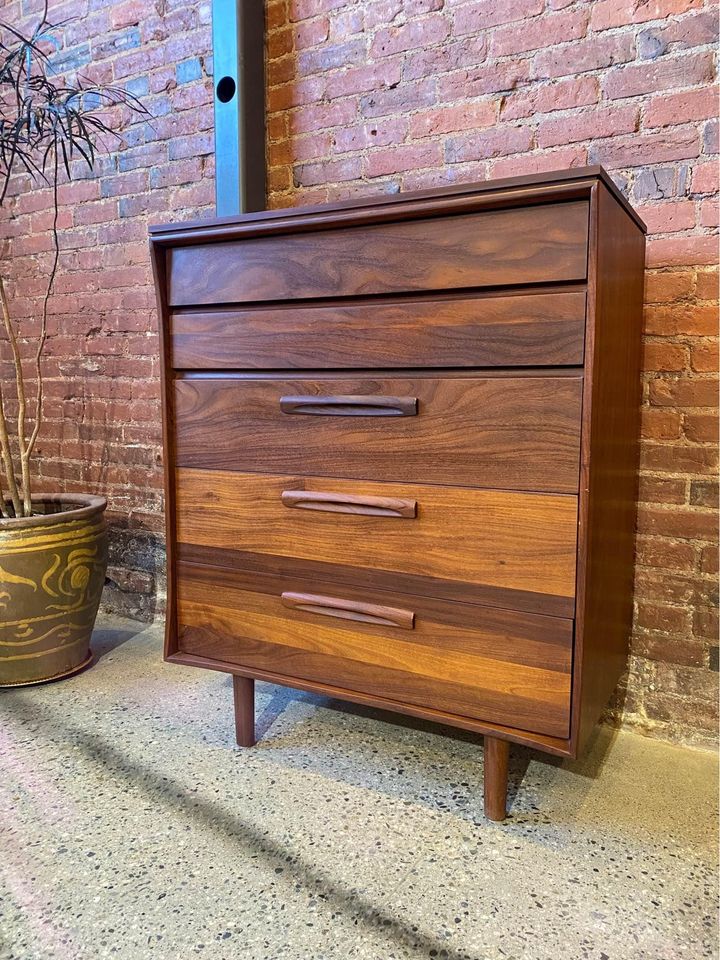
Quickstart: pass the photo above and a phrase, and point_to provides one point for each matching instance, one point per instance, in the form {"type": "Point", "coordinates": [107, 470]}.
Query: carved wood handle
{"type": "Point", "coordinates": [351, 406]}
{"type": "Point", "coordinates": [350, 610]}
{"type": "Point", "coordinates": [350, 503]}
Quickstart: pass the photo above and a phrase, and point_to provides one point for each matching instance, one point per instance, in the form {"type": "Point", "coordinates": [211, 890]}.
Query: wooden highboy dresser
{"type": "Point", "coordinates": [401, 442]}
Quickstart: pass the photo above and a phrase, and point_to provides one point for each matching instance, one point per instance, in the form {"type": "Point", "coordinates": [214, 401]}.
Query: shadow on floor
{"type": "Point", "coordinates": [107, 639]}
{"type": "Point", "coordinates": [589, 766]}
{"type": "Point", "coordinates": [162, 789]}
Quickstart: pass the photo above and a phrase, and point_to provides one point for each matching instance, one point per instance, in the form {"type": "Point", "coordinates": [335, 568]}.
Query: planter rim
{"type": "Point", "coordinates": [87, 506]}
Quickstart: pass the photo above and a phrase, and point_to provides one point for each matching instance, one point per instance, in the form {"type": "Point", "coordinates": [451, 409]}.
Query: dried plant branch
{"type": "Point", "coordinates": [7, 460]}
{"type": "Point", "coordinates": [45, 124]}
{"type": "Point", "coordinates": [19, 383]}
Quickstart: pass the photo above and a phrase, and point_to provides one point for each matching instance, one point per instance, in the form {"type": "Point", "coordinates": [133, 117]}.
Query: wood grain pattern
{"type": "Point", "coordinates": [526, 190]}
{"type": "Point", "coordinates": [514, 540]}
{"type": "Point", "coordinates": [502, 247]}
{"type": "Point", "coordinates": [516, 433]}
{"type": "Point", "coordinates": [497, 753]}
{"type": "Point", "coordinates": [434, 664]}
{"type": "Point", "coordinates": [449, 330]}
{"type": "Point", "coordinates": [610, 470]}
{"type": "Point", "coordinates": [357, 610]}
{"type": "Point", "coordinates": [244, 704]}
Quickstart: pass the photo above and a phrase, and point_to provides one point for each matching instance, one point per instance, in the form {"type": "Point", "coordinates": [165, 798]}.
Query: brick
{"type": "Point", "coordinates": [680, 251]}
{"type": "Point", "coordinates": [674, 109]}
{"type": "Point", "coordinates": [661, 424]}
{"type": "Point", "coordinates": [667, 619]}
{"type": "Point", "coordinates": [709, 561]}
{"type": "Point", "coordinates": [675, 143]}
{"type": "Point", "coordinates": [684, 392]}
{"type": "Point", "coordinates": [661, 356]}
{"type": "Point", "coordinates": [656, 490]}
{"type": "Point", "coordinates": [498, 142]}
{"type": "Point", "coordinates": [685, 524]}
{"type": "Point", "coordinates": [666, 554]}
{"type": "Point", "coordinates": [329, 56]}
{"type": "Point", "coordinates": [659, 646]}
{"type": "Point", "coordinates": [706, 178]}
{"type": "Point", "coordinates": [708, 284]}
{"type": "Point", "coordinates": [540, 32]}
{"type": "Point", "coordinates": [709, 213]}
{"type": "Point", "coordinates": [704, 493]}
{"type": "Point", "coordinates": [448, 120]}
{"type": "Point", "coordinates": [481, 14]}
{"type": "Point", "coordinates": [593, 53]}
{"type": "Point", "coordinates": [550, 97]}
{"type": "Point", "coordinates": [705, 624]}
{"type": "Point", "coordinates": [668, 286]}
{"type": "Point", "coordinates": [405, 157]}
{"type": "Point", "coordinates": [677, 458]}
{"type": "Point", "coordinates": [521, 164]}
{"type": "Point", "coordinates": [668, 217]}
{"type": "Point", "coordinates": [433, 61]}
{"type": "Point", "coordinates": [586, 125]}
{"type": "Point", "coordinates": [637, 79]}
{"type": "Point", "coordinates": [482, 80]}
{"type": "Point", "coordinates": [410, 36]}
{"type": "Point", "coordinates": [704, 357]}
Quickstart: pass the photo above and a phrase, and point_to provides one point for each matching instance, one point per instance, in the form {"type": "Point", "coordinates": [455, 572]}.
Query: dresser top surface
{"type": "Point", "coordinates": [394, 203]}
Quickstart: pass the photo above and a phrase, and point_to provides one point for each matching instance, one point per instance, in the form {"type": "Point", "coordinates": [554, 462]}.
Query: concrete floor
{"type": "Point", "coordinates": [132, 828]}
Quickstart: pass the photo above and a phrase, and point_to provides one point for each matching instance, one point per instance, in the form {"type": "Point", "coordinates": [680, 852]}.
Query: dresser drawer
{"type": "Point", "coordinates": [491, 665]}
{"type": "Point", "coordinates": [440, 330]}
{"type": "Point", "coordinates": [516, 246]}
{"type": "Point", "coordinates": [512, 549]}
{"type": "Point", "coordinates": [516, 433]}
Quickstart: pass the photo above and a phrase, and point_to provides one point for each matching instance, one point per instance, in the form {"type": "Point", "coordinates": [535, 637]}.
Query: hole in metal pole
{"type": "Point", "coordinates": [225, 89]}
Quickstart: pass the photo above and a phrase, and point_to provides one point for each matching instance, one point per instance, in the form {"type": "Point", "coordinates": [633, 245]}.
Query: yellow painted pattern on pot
{"type": "Point", "coordinates": [51, 579]}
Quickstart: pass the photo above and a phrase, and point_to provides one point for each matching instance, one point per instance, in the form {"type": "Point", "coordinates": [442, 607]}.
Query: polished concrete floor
{"type": "Point", "coordinates": [132, 827]}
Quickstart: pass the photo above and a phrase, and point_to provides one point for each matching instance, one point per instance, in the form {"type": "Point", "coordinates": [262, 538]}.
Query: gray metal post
{"type": "Point", "coordinates": [239, 74]}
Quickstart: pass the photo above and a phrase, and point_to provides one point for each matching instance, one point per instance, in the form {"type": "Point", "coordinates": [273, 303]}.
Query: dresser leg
{"type": "Point", "coordinates": [496, 777]}
{"type": "Point", "coordinates": [244, 696]}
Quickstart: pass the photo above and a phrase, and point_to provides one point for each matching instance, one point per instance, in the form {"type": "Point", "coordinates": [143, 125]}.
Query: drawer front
{"type": "Point", "coordinates": [512, 549]}
{"type": "Point", "coordinates": [491, 665]}
{"type": "Point", "coordinates": [497, 248]}
{"type": "Point", "coordinates": [516, 433]}
{"type": "Point", "coordinates": [450, 331]}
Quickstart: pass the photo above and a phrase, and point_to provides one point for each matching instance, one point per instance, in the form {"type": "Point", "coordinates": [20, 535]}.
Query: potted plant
{"type": "Point", "coordinates": [53, 548]}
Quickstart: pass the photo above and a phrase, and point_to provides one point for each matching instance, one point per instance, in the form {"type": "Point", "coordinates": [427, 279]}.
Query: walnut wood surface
{"type": "Point", "coordinates": [501, 247]}
{"type": "Point", "coordinates": [497, 754]}
{"type": "Point", "coordinates": [519, 541]}
{"type": "Point", "coordinates": [469, 671]}
{"type": "Point", "coordinates": [611, 413]}
{"type": "Point", "coordinates": [324, 606]}
{"type": "Point", "coordinates": [439, 330]}
{"type": "Point", "coordinates": [519, 433]}
{"type": "Point", "coordinates": [383, 308]}
{"type": "Point", "coordinates": [244, 703]}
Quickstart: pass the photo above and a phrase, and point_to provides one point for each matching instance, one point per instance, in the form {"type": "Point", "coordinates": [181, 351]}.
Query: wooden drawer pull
{"type": "Point", "coordinates": [349, 503]}
{"type": "Point", "coordinates": [350, 610]}
{"type": "Point", "coordinates": [351, 406]}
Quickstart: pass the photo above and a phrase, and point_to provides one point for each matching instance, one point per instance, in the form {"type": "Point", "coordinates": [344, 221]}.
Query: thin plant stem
{"type": "Point", "coordinates": [7, 459]}
{"type": "Point", "coordinates": [30, 446]}
{"type": "Point", "coordinates": [19, 384]}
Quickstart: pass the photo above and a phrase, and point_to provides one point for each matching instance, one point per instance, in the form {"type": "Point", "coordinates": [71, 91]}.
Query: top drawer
{"type": "Point", "coordinates": [496, 248]}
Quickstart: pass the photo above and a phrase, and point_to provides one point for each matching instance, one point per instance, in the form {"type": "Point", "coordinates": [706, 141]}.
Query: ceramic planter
{"type": "Point", "coordinates": [52, 572]}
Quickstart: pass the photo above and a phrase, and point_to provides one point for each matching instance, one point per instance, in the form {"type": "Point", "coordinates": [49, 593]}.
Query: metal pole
{"type": "Point", "coordinates": [239, 74]}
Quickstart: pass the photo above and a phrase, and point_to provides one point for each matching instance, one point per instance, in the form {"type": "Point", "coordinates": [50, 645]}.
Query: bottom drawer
{"type": "Point", "coordinates": [472, 661]}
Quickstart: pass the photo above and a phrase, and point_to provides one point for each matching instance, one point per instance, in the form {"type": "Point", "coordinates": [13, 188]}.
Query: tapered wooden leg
{"type": "Point", "coordinates": [496, 777]}
{"type": "Point", "coordinates": [244, 694]}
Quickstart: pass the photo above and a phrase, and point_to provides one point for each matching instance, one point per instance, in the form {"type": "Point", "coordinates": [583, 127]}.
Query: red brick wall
{"type": "Point", "coordinates": [368, 97]}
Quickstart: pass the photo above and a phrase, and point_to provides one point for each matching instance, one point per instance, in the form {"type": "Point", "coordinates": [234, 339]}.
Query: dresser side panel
{"type": "Point", "coordinates": [158, 257]}
{"type": "Point", "coordinates": [610, 460]}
